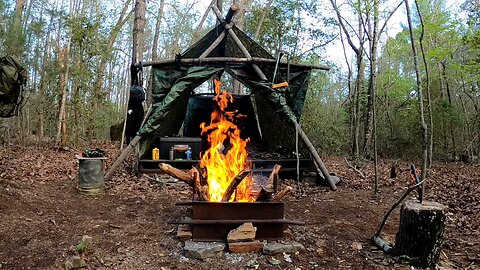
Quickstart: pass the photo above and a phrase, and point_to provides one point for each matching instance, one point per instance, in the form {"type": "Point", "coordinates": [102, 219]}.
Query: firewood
{"type": "Point", "coordinates": [272, 183]}
{"type": "Point", "coordinates": [282, 194]}
{"type": "Point", "coordinates": [177, 173]}
{"type": "Point", "coordinates": [201, 190]}
{"type": "Point", "coordinates": [234, 184]}
{"type": "Point", "coordinates": [266, 191]}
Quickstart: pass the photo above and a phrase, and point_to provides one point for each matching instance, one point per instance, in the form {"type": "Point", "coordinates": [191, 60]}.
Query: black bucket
{"type": "Point", "coordinates": [90, 175]}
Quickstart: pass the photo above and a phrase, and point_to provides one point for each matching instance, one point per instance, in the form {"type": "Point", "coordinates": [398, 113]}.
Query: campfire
{"type": "Point", "coordinates": [226, 195]}
{"type": "Point", "coordinates": [225, 171]}
{"type": "Point", "coordinates": [226, 164]}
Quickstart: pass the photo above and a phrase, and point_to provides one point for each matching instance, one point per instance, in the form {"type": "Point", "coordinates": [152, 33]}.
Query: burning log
{"type": "Point", "coordinates": [234, 184]}
{"type": "Point", "coordinates": [282, 194]}
{"type": "Point", "coordinates": [179, 174]}
{"type": "Point", "coordinates": [201, 190]}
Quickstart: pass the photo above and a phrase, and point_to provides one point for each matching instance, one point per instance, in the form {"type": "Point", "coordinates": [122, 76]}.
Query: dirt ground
{"type": "Point", "coordinates": [43, 217]}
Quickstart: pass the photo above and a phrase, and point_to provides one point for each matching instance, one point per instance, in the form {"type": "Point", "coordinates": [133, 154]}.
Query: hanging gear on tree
{"type": "Point", "coordinates": [13, 77]}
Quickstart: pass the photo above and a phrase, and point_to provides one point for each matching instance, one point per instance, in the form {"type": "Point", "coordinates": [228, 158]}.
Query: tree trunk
{"type": "Point", "coordinates": [62, 114]}
{"type": "Point", "coordinates": [423, 126]}
{"type": "Point", "coordinates": [429, 100]}
{"type": "Point", "coordinates": [237, 87]}
{"type": "Point", "coordinates": [41, 92]}
{"type": "Point", "coordinates": [359, 82]}
{"type": "Point", "coordinates": [138, 31]}
{"type": "Point", "coordinates": [373, 86]}
{"type": "Point", "coordinates": [15, 39]}
{"type": "Point", "coordinates": [420, 233]}
{"type": "Point", "coordinates": [155, 50]}
{"type": "Point", "coordinates": [266, 11]}
{"type": "Point", "coordinates": [449, 95]}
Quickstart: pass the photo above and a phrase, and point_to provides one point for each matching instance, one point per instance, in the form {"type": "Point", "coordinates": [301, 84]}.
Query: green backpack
{"type": "Point", "coordinates": [13, 77]}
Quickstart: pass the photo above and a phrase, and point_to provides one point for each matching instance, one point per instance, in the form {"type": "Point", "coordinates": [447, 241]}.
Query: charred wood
{"type": "Point", "coordinates": [234, 184]}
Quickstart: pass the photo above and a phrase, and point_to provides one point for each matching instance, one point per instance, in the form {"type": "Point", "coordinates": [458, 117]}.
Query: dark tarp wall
{"type": "Point", "coordinates": [167, 116]}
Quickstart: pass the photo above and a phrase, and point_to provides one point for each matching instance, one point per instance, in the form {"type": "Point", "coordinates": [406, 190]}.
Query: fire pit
{"type": "Point", "coordinates": [213, 221]}
{"type": "Point", "coordinates": [226, 193]}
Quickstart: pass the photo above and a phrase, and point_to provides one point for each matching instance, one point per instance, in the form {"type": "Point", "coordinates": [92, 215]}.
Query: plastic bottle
{"type": "Point", "coordinates": [189, 153]}
{"type": "Point", "coordinates": [155, 154]}
{"type": "Point", "coordinates": [170, 153]}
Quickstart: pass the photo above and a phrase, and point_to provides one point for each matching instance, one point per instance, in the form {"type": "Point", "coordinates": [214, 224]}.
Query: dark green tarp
{"type": "Point", "coordinates": [173, 85]}
{"type": "Point", "coordinates": [168, 114]}
{"type": "Point", "coordinates": [12, 78]}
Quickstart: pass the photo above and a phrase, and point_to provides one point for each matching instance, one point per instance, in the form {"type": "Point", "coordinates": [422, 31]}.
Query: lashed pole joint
{"type": "Point", "coordinates": [235, 38]}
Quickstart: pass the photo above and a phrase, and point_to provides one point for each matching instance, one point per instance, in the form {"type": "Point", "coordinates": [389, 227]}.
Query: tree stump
{"type": "Point", "coordinates": [419, 238]}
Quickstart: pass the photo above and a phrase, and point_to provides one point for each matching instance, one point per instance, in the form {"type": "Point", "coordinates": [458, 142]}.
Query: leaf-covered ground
{"type": "Point", "coordinates": [43, 218]}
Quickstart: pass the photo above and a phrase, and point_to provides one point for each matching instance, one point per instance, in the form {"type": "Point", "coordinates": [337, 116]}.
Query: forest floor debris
{"type": "Point", "coordinates": [42, 217]}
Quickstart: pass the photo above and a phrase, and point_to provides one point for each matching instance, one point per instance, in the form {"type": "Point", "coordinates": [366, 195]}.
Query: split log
{"type": "Point", "coordinates": [270, 187]}
{"type": "Point", "coordinates": [282, 194]}
{"type": "Point", "coordinates": [272, 183]}
{"type": "Point", "coordinates": [234, 184]}
{"type": "Point", "coordinates": [420, 234]}
{"type": "Point", "coordinates": [177, 173]}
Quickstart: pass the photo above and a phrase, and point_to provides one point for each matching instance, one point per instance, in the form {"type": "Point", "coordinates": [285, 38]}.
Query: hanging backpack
{"type": "Point", "coordinates": [13, 77]}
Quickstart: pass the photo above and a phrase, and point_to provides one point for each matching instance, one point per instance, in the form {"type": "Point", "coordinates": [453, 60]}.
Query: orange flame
{"type": "Point", "coordinates": [227, 155]}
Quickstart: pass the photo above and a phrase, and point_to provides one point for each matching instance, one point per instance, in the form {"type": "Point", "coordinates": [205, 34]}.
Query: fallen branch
{"type": "Point", "coordinates": [179, 174]}
{"type": "Point", "coordinates": [282, 194]}
{"type": "Point", "coordinates": [355, 169]}
{"type": "Point", "coordinates": [234, 184]}
{"type": "Point", "coordinates": [376, 237]}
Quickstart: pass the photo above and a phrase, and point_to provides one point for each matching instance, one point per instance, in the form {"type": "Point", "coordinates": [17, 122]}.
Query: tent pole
{"type": "Point", "coordinates": [316, 158]}
{"type": "Point", "coordinates": [213, 45]}
{"type": "Point", "coordinates": [239, 43]}
{"type": "Point", "coordinates": [122, 157]}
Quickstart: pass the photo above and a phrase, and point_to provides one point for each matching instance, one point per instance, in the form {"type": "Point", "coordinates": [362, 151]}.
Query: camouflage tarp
{"type": "Point", "coordinates": [12, 79]}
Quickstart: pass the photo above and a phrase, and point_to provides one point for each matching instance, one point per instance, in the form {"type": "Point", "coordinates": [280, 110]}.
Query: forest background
{"type": "Point", "coordinates": [78, 56]}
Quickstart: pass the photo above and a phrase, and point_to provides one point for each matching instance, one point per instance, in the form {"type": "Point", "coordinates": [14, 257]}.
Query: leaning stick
{"type": "Point", "coordinates": [282, 194]}
{"type": "Point", "coordinates": [179, 174]}
{"type": "Point", "coordinates": [234, 184]}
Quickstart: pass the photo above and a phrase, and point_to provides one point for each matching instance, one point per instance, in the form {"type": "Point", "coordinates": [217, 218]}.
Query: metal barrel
{"type": "Point", "coordinates": [90, 175]}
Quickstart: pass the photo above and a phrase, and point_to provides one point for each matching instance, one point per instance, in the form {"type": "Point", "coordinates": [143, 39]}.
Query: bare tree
{"type": "Point", "coordinates": [138, 31]}
{"type": "Point", "coordinates": [423, 125]}
{"type": "Point", "coordinates": [156, 35]}
{"type": "Point", "coordinates": [427, 77]}
{"type": "Point", "coordinates": [360, 68]}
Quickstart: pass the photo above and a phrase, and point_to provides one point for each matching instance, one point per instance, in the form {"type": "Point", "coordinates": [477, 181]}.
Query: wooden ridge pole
{"type": "Point", "coordinates": [222, 60]}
